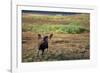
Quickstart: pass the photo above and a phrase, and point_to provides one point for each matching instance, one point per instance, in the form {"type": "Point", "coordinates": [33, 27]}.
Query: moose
{"type": "Point", "coordinates": [43, 43]}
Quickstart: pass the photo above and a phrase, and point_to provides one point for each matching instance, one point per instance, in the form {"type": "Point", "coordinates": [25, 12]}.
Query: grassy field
{"type": "Point", "coordinates": [70, 37]}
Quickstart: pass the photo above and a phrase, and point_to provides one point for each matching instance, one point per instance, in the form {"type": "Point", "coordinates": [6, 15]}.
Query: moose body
{"type": "Point", "coordinates": [43, 43]}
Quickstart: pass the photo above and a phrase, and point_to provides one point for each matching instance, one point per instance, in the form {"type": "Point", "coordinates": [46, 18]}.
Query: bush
{"type": "Point", "coordinates": [73, 29]}
{"type": "Point", "coordinates": [47, 28]}
{"type": "Point", "coordinates": [26, 28]}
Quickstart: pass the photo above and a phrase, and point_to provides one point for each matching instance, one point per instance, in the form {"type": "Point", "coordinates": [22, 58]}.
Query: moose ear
{"type": "Point", "coordinates": [39, 36]}
{"type": "Point", "coordinates": [51, 35]}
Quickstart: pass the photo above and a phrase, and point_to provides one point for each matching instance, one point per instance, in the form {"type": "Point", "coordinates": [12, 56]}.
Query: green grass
{"type": "Point", "coordinates": [74, 29]}
{"type": "Point", "coordinates": [45, 28]}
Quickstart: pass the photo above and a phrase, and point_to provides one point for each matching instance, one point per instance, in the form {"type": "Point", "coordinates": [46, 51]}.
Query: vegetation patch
{"type": "Point", "coordinates": [45, 28]}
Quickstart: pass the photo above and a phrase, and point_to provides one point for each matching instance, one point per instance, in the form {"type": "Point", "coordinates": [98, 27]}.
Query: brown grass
{"type": "Point", "coordinates": [61, 47]}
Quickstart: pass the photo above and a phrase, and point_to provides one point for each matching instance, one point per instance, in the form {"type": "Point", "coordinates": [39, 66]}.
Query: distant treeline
{"type": "Point", "coordinates": [48, 12]}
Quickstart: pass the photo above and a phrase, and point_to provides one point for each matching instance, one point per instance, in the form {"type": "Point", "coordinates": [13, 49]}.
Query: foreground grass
{"type": "Point", "coordinates": [61, 47]}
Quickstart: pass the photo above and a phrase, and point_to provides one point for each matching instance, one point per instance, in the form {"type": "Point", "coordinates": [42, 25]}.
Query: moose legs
{"type": "Point", "coordinates": [42, 51]}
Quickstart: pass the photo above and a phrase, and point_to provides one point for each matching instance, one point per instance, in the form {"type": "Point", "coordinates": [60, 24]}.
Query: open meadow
{"type": "Point", "coordinates": [70, 40]}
